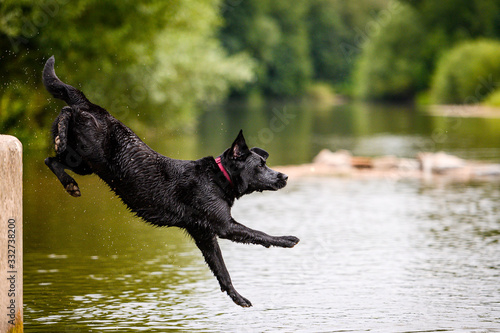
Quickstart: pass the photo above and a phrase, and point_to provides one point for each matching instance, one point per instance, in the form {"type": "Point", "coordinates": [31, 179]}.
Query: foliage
{"type": "Point", "coordinates": [154, 61]}
{"type": "Point", "coordinates": [274, 33]}
{"type": "Point", "coordinates": [493, 99]}
{"type": "Point", "coordinates": [390, 66]}
{"type": "Point", "coordinates": [460, 19]}
{"type": "Point", "coordinates": [129, 56]}
{"type": "Point", "coordinates": [336, 32]}
{"type": "Point", "coordinates": [321, 93]}
{"type": "Point", "coordinates": [467, 73]}
{"type": "Point", "coordinates": [295, 43]}
{"type": "Point", "coordinates": [398, 62]}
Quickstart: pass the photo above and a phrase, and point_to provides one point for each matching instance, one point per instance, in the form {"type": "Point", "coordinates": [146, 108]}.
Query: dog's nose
{"type": "Point", "coordinates": [283, 176]}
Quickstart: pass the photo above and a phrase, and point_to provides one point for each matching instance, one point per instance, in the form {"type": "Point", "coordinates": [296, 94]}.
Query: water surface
{"type": "Point", "coordinates": [375, 255]}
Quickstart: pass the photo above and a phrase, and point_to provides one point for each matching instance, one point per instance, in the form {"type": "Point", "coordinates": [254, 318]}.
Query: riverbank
{"type": "Point", "coordinates": [426, 166]}
{"type": "Point", "coordinates": [478, 111]}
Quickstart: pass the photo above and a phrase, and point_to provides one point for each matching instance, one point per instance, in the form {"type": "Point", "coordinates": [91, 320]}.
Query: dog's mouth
{"type": "Point", "coordinates": [278, 185]}
{"type": "Point", "coordinates": [280, 181]}
{"type": "Point", "coordinates": [273, 183]}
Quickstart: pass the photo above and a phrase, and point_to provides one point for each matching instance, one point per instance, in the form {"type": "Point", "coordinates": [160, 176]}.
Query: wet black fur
{"type": "Point", "coordinates": [193, 195]}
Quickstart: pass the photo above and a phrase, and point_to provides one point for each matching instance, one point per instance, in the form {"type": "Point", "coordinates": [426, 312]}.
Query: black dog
{"type": "Point", "coordinates": [194, 195]}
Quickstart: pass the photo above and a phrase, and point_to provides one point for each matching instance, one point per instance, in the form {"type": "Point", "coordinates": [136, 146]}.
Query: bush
{"type": "Point", "coordinates": [321, 93]}
{"type": "Point", "coordinates": [467, 73]}
{"type": "Point", "coordinates": [493, 99]}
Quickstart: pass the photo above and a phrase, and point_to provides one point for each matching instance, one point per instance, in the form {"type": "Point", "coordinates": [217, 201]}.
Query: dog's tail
{"type": "Point", "coordinates": [59, 89]}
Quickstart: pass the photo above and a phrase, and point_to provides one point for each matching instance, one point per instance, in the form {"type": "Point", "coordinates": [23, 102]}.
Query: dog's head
{"type": "Point", "coordinates": [248, 170]}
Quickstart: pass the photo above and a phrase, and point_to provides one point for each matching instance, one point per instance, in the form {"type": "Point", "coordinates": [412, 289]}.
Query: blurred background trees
{"type": "Point", "coordinates": [297, 43]}
{"type": "Point", "coordinates": [156, 61]}
{"type": "Point", "coordinates": [159, 56]}
{"type": "Point", "coordinates": [467, 73]}
{"type": "Point", "coordinates": [400, 60]}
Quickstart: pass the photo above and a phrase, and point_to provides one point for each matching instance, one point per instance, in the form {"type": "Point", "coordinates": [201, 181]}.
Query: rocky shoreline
{"type": "Point", "coordinates": [426, 166]}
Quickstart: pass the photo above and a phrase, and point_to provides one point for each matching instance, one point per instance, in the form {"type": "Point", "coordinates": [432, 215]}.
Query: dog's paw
{"type": "Point", "coordinates": [73, 190]}
{"type": "Point", "coordinates": [240, 300]}
{"type": "Point", "coordinates": [58, 145]}
{"type": "Point", "coordinates": [288, 241]}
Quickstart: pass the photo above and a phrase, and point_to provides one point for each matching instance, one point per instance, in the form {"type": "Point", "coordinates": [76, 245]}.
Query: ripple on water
{"type": "Point", "coordinates": [375, 255]}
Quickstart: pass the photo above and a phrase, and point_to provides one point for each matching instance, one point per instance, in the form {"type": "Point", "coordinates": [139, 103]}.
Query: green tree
{"type": "Point", "coordinates": [158, 59]}
{"type": "Point", "coordinates": [460, 19]}
{"type": "Point", "coordinates": [274, 33]}
{"type": "Point", "coordinates": [395, 63]}
{"type": "Point", "coordinates": [337, 30]}
{"type": "Point", "coordinates": [398, 62]}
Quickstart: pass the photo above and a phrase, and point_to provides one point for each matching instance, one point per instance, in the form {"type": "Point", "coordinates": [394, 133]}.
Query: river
{"type": "Point", "coordinates": [376, 255]}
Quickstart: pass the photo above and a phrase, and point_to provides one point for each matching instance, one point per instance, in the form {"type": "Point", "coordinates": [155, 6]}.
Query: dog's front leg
{"type": "Point", "coordinates": [237, 232]}
{"type": "Point", "coordinates": [66, 180]}
{"type": "Point", "coordinates": [213, 256]}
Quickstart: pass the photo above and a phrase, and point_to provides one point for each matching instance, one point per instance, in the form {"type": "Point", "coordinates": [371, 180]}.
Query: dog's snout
{"type": "Point", "coordinates": [282, 176]}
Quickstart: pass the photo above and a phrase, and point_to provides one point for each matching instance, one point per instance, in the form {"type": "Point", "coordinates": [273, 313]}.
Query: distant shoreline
{"type": "Point", "coordinates": [461, 110]}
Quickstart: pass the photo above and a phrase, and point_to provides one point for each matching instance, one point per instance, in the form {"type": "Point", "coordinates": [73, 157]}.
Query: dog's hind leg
{"type": "Point", "coordinates": [61, 130]}
{"type": "Point", "coordinates": [213, 256]}
{"type": "Point", "coordinates": [237, 232]}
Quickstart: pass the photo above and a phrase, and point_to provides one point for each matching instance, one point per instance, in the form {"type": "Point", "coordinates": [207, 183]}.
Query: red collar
{"type": "Point", "coordinates": [221, 167]}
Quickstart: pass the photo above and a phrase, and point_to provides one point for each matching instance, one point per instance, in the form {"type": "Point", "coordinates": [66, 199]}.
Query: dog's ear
{"type": "Point", "coordinates": [239, 148]}
{"type": "Point", "coordinates": [261, 152]}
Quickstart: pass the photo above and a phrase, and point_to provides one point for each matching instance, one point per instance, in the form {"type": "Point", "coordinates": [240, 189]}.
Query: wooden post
{"type": "Point", "coordinates": [11, 234]}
